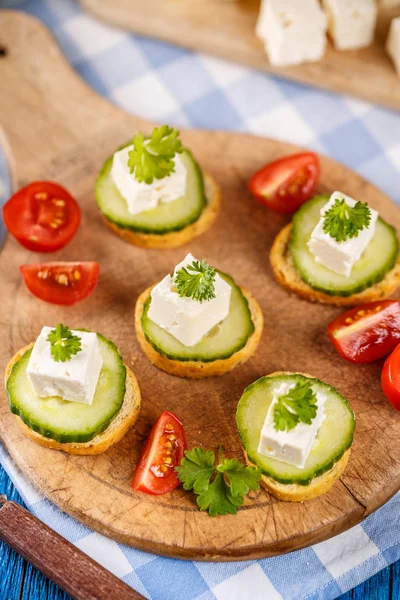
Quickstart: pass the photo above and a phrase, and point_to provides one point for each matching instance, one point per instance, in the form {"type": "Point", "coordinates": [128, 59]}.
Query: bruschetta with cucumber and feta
{"type": "Point", "coordinates": [152, 192]}
{"type": "Point", "coordinates": [337, 251]}
{"type": "Point", "coordinates": [298, 431]}
{"type": "Point", "coordinates": [71, 391]}
{"type": "Point", "coordinates": [197, 322]}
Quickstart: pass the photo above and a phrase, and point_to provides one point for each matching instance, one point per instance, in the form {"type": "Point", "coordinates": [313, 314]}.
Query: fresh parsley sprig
{"type": "Point", "coordinates": [63, 343]}
{"type": "Point", "coordinates": [298, 405]}
{"type": "Point", "coordinates": [196, 281]}
{"type": "Point", "coordinates": [343, 222]}
{"type": "Point", "coordinates": [220, 488]}
{"type": "Point", "coordinates": [151, 158]}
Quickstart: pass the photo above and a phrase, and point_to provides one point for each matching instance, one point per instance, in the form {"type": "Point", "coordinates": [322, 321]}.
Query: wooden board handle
{"type": "Point", "coordinates": [37, 125]}
{"type": "Point", "coordinates": [71, 569]}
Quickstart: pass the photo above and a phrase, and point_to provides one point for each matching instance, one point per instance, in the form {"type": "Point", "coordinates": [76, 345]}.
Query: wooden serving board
{"type": "Point", "coordinates": [55, 127]}
{"type": "Point", "coordinates": [226, 28]}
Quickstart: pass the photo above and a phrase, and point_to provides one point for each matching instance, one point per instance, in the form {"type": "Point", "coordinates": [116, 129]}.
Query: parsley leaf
{"type": "Point", "coordinates": [242, 479]}
{"type": "Point", "coordinates": [197, 470]}
{"type": "Point", "coordinates": [221, 488]}
{"type": "Point", "coordinates": [217, 498]}
{"type": "Point", "coordinates": [196, 281]}
{"type": "Point", "coordinates": [63, 343]}
{"type": "Point", "coordinates": [151, 158]}
{"type": "Point", "coordinates": [342, 221]}
{"type": "Point", "coordinates": [298, 405]}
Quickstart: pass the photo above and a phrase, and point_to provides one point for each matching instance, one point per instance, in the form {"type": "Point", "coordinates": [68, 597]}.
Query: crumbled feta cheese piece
{"type": "Point", "coordinates": [293, 32]}
{"type": "Point", "coordinates": [188, 320]}
{"type": "Point", "coordinates": [145, 196]}
{"type": "Point", "coordinates": [393, 43]}
{"type": "Point", "coordinates": [73, 380]}
{"type": "Point", "coordinates": [294, 446]}
{"type": "Point", "coordinates": [340, 257]}
{"type": "Point", "coordinates": [351, 23]}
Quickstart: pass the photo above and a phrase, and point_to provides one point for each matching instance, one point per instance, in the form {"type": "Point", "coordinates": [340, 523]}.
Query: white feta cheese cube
{"type": "Point", "coordinates": [73, 380]}
{"type": "Point", "coordinates": [186, 319]}
{"type": "Point", "coordinates": [293, 32]}
{"type": "Point", "coordinates": [294, 446]}
{"type": "Point", "coordinates": [393, 43]}
{"type": "Point", "coordinates": [351, 23]}
{"type": "Point", "coordinates": [145, 196]}
{"type": "Point", "coordinates": [340, 257]}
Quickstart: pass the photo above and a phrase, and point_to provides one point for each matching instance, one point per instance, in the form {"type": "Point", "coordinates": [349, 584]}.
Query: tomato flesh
{"type": "Point", "coordinates": [366, 333]}
{"type": "Point", "coordinates": [390, 378]}
{"type": "Point", "coordinates": [61, 282]}
{"type": "Point", "coordinates": [285, 184]}
{"type": "Point", "coordinates": [163, 451]}
{"type": "Point", "coordinates": [42, 216]}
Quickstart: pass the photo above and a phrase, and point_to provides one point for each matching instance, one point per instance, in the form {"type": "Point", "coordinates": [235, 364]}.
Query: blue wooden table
{"type": "Point", "coordinates": [20, 581]}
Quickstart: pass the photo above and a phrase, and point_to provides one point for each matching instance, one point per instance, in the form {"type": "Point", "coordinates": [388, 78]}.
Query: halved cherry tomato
{"type": "Point", "coordinates": [163, 451]}
{"type": "Point", "coordinates": [42, 216]}
{"type": "Point", "coordinates": [285, 184]}
{"type": "Point", "coordinates": [368, 332]}
{"type": "Point", "coordinates": [390, 378]}
{"type": "Point", "coordinates": [61, 282]}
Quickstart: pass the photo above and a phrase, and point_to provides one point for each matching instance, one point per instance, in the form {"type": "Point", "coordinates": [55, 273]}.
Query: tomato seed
{"type": "Point", "coordinates": [62, 279]}
{"type": "Point", "coordinates": [41, 195]}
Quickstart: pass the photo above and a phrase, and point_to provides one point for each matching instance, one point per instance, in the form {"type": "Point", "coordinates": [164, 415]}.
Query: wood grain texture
{"type": "Point", "coordinates": [21, 581]}
{"type": "Point", "coordinates": [227, 29]}
{"type": "Point", "coordinates": [70, 568]}
{"type": "Point", "coordinates": [55, 127]}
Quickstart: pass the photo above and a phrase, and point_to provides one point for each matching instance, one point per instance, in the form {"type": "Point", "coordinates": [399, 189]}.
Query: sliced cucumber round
{"type": "Point", "coordinates": [334, 437]}
{"type": "Point", "coordinates": [66, 421]}
{"type": "Point", "coordinates": [171, 216]}
{"type": "Point", "coordinates": [221, 342]}
{"type": "Point", "coordinates": [379, 257]}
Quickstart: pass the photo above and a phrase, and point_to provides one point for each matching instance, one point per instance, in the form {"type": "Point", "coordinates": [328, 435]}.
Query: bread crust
{"type": "Point", "coordinates": [197, 369]}
{"type": "Point", "coordinates": [288, 277]}
{"type": "Point", "coordinates": [174, 239]}
{"type": "Point", "coordinates": [295, 492]}
{"type": "Point", "coordinates": [121, 423]}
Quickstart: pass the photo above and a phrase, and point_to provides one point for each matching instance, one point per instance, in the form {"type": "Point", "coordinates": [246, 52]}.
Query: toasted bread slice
{"type": "Point", "coordinates": [174, 239]}
{"type": "Point", "coordinates": [194, 369]}
{"type": "Point", "coordinates": [294, 492]}
{"type": "Point", "coordinates": [287, 275]}
{"type": "Point", "coordinates": [121, 423]}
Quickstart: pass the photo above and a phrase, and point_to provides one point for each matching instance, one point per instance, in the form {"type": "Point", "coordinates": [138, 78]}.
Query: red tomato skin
{"type": "Point", "coordinates": [379, 336]}
{"type": "Point", "coordinates": [390, 378]}
{"type": "Point", "coordinates": [53, 293]}
{"type": "Point", "coordinates": [18, 215]}
{"type": "Point", "coordinates": [144, 478]}
{"type": "Point", "coordinates": [302, 173]}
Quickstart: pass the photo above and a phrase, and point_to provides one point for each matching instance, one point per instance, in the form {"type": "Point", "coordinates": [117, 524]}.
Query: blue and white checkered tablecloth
{"type": "Point", "coordinates": [168, 84]}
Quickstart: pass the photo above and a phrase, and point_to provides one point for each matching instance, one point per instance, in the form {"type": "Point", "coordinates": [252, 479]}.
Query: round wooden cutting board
{"type": "Point", "coordinates": [56, 128]}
